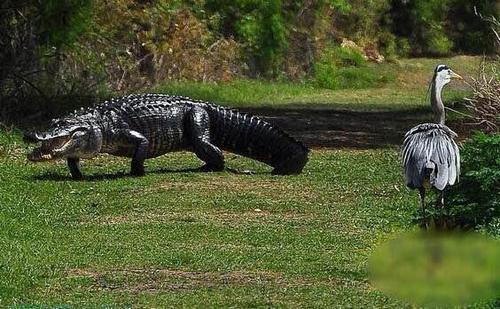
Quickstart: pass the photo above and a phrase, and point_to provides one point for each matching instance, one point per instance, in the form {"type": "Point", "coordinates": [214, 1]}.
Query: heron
{"type": "Point", "coordinates": [430, 156]}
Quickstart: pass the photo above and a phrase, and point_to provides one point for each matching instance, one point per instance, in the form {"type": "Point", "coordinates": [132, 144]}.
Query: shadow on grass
{"type": "Point", "coordinates": [54, 176]}
{"type": "Point", "coordinates": [331, 128]}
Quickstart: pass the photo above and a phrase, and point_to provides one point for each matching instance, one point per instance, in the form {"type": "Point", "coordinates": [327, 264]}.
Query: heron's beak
{"type": "Point", "coordinates": [456, 76]}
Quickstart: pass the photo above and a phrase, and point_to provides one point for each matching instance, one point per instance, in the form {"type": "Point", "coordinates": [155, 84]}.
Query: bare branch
{"type": "Point", "coordinates": [485, 102]}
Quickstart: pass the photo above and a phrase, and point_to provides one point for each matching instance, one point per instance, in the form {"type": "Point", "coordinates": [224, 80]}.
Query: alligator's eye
{"type": "Point", "coordinates": [79, 131]}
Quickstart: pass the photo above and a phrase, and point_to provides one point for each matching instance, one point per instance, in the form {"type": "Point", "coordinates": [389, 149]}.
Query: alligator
{"type": "Point", "coordinates": [144, 126]}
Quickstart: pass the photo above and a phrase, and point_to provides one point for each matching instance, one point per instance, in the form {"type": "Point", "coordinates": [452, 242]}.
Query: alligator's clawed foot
{"type": "Point", "coordinates": [137, 171]}
{"type": "Point", "coordinates": [77, 177]}
{"type": "Point", "coordinates": [76, 174]}
{"type": "Point", "coordinates": [210, 168]}
{"type": "Point", "coordinates": [243, 172]}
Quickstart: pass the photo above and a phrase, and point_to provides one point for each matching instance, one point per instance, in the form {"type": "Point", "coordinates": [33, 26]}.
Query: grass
{"type": "Point", "coordinates": [205, 239]}
{"type": "Point", "coordinates": [407, 91]}
{"type": "Point", "coordinates": [183, 237]}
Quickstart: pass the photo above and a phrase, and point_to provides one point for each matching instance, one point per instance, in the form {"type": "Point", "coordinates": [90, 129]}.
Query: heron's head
{"type": "Point", "coordinates": [65, 138]}
{"type": "Point", "coordinates": [443, 75]}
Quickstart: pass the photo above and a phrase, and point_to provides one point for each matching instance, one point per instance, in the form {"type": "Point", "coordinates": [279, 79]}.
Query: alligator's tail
{"type": "Point", "coordinates": [255, 138]}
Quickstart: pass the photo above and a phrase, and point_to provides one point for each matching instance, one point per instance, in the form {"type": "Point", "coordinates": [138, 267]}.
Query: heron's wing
{"type": "Point", "coordinates": [414, 157]}
{"type": "Point", "coordinates": [429, 151]}
{"type": "Point", "coordinates": [452, 153]}
{"type": "Point", "coordinates": [441, 157]}
{"type": "Point", "coordinates": [454, 161]}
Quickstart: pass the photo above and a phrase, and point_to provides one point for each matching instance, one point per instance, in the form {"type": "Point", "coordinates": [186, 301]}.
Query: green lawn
{"type": "Point", "coordinates": [407, 91]}
{"type": "Point", "coordinates": [182, 238]}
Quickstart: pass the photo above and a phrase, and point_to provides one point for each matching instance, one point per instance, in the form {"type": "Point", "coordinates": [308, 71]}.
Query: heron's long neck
{"type": "Point", "coordinates": [437, 103]}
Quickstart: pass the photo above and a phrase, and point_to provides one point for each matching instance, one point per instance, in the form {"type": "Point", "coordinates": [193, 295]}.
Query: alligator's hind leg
{"type": "Point", "coordinates": [74, 168]}
{"type": "Point", "coordinates": [198, 132]}
{"type": "Point", "coordinates": [140, 145]}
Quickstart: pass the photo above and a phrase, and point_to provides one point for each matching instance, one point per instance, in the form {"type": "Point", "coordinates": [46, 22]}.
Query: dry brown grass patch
{"type": "Point", "coordinates": [241, 184]}
{"type": "Point", "coordinates": [157, 280]}
{"type": "Point", "coordinates": [217, 218]}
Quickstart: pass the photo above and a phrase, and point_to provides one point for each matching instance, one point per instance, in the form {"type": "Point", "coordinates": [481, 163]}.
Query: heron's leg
{"type": "Point", "coordinates": [74, 168]}
{"type": "Point", "coordinates": [441, 199]}
{"type": "Point", "coordinates": [421, 191]}
{"type": "Point", "coordinates": [444, 223]}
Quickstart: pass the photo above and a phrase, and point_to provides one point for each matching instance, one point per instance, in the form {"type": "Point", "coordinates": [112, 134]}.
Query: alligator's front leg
{"type": "Point", "coordinates": [74, 168]}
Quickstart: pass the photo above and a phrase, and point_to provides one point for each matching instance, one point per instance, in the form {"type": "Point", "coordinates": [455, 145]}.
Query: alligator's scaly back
{"type": "Point", "coordinates": [255, 138]}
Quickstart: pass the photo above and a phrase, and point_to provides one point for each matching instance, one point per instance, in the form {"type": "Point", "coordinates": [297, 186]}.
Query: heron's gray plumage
{"type": "Point", "coordinates": [430, 153]}
{"type": "Point", "coordinates": [430, 156]}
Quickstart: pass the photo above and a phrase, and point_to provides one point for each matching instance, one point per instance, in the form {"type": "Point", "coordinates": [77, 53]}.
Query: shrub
{"type": "Point", "coordinates": [423, 24]}
{"type": "Point", "coordinates": [475, 200]}
{"type": "Point", "coordinates": [332, 77]}
{"type": "Point", "coordinates": [438, 27]}
{"type": "Point", "coordinates": [403, 47]}
{"type": "Point", "coordinates": [471, 33]}
{"type": "Point", "coordinates": [345, 68]}
{"type": "Point", "coordinates": [347, 57]}
{"type": "Point", "coordinates": [366, 24]}
{"type": "Point", "coordinates": [35, 37]}
{"type": "Point", "coordinates": [61, 22]}
{"type": "Point", "coordinates": [485, 102]}
{"type": "Point", "coordinates": [259, 25]}
{"type": "Point", "coordinates": [389, 46]}
{"type": "Point", "coordinates": [429, 17]}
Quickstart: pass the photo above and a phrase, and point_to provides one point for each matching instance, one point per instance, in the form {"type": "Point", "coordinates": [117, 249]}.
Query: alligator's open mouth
{"type": "Point", "coordinates": [47, 151]}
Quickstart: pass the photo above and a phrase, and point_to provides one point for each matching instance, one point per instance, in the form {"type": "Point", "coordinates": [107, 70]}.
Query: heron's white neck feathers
{"type": "Point", "coordinates": [437, 102]}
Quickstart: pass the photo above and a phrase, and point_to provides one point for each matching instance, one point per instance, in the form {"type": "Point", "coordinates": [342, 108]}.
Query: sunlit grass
{"type": "Point", "coordinates": [290, 240]}
{"type": "Point", "coordinates": [407, 91]}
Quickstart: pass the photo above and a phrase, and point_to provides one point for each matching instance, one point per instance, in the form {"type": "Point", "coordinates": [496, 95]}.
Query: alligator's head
{"type": "Point", "coordinates": [66, 138]}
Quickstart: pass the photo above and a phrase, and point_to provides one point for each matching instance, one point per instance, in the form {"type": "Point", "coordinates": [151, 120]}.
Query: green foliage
{"type": "Point", "coordinates": [345, 57]}
{"type": "Point", "coordinates": [438, 27]}
{"type": "Point", "coordinates": [263, 27]}
{"type": "Point", "coordinates": [468, 32]}
{"type": "Point", "coordinates": [403, 47]}
{"type": "Point", "coordinates": [345, 68]}
{"type": "Point", "coordinates": [259, 25]}
{"type": "Point", "coordinates": [430, 17]}
{"type": "Point", "coordinates": [366, 23]}
{"type": "Point", "coordinates": [63, 21]}
{"type": "Point", "coordinates": [475, 200]}
{"type": "Point", "coordinates": [82, 47]}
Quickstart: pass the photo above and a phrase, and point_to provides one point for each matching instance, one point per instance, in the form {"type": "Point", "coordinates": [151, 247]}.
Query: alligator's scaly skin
{"type": "Point", "coordinates": [150, 125]}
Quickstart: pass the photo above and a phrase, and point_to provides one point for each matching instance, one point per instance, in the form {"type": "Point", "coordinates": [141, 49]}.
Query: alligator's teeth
{"type": "Point", "coordinates": [47, 156]}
